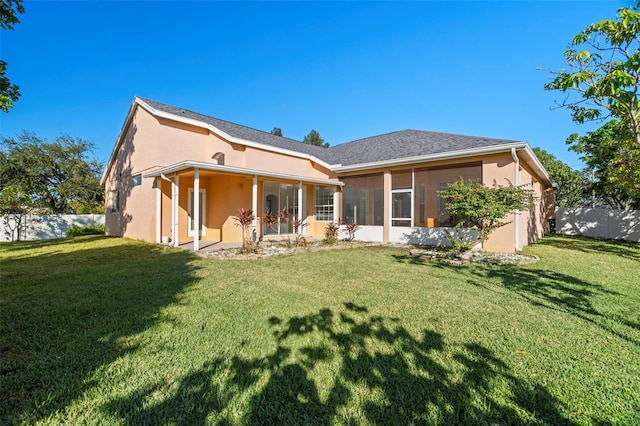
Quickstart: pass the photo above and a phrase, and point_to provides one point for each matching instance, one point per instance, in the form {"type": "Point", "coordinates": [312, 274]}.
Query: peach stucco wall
{"type": "Point", "coordinates": [150, 143]}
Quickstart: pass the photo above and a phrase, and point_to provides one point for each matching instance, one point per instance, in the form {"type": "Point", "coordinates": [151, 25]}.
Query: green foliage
{"type": "Point", "coordinates": [76, 231]}
{"type": "Point", "coordinates": [484, 207]}
{"type": "Point", "coordinates": [314, 138]}
{"type": "Point", "coordinates": [57, 175]}
{"type": "Point", "coordinates": [604, 65]}
{"type": "Point", "coordinates": [613, 159]}
{"type": "Point", "coordinates": [460, 242]}
{"type": "Point", "coordinates": [331, 233]}
{"type": "Point", "coordinates": [9, 93]}
{"type": "Point", "coordinates": [571, 183]}
{"type": "Point", "coordinates": [276, 131]}
{"type": "Point", "coordinates": [15, 205]}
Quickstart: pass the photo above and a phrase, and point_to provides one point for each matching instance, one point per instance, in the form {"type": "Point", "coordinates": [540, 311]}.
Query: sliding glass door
{"type": "Point", "coordinates": [278, 196]}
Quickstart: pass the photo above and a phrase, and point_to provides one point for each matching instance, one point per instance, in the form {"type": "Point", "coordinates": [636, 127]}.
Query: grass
{"type": "Point", "coordinates": [97, 330]}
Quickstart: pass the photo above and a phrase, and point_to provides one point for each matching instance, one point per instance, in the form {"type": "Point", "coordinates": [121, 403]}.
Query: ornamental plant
{"type": "Point", "coordinates": [484, 207]}
{"type": "Point", "coordinates": [331, 233]}
{"type": "Point", "coordinates": [244, 219]}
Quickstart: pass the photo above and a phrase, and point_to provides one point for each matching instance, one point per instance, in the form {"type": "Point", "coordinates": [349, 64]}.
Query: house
{"type": "Point", "coordinates": [178, 176]}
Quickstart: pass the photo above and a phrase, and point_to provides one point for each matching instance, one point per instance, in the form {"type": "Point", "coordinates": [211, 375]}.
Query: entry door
{"type": "Point", "coordinates": [202, 212]}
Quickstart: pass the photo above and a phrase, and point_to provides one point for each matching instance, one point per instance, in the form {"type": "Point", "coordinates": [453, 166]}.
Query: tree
{"type": "Point", "coordinates": [483, 207]}
{"type": "Point", "coordinates": [56, 176]}
{"type": "Point", "coordinates": [613, 161]}
{"type": "Point", "coordinates": [604, 71]}
{"type": "Point", "coordinates": [9, 93]}
{"type": "Point", "coordinates": [314, 138]}
{"type": "Point", "coordinates": [15, 206]}
{"type": "Point", "coordinates": [276, 131]}
{"type": "Point", "coordinates": [571, 183]}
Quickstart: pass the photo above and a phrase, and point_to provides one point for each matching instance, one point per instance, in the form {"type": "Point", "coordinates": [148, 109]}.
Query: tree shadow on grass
{"type": "Point", "coordinates": [65, 314]}
{"type": "Point", "coordinates": [625, 249]}
{"type": "Point", "coordinates": [376, 372]}
{"type": "Point", "coordinates": [543, 288]}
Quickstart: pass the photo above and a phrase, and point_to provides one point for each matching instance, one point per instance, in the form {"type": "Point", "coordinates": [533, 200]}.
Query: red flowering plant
{"type": "Point", "coordinates": [484, 207]}
{"type": "Point", "coordinates": [244, 219]}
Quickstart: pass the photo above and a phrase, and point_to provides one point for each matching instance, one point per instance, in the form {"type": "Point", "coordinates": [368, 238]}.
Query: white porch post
{"type": "Point", "coordinates": [196, 209]}
{"type": "Point", "coordinates": [254, 207]}
{"type": "Point", "coordinates": [158, 210]}
{"type": "Point", "coordinates": [175, 195]}
{"type": "Point", "coordinates": [300, 206]}
{"type": "Point", "coordinates": [336, 205]}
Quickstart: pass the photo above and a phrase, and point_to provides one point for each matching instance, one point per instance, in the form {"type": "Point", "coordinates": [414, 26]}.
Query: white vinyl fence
{"type": "Point", "coordinates": [45, 226]}
{"type": "Point", "coordinates": [606, 223]}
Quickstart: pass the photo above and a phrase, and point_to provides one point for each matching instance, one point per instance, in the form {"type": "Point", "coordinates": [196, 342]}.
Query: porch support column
{"type": "Point", "coordinates": [386, 230]}
{"type": "Point", "coordinates": [516, 214]}
{"type": "Point", "coordinates": [336, 204]}
{"type": "Point", "coordinates": [158, 210]}
{"type": "Point", "coordinates": [196, 209]}
{"type": "Point", "coordinates": [300, 206]}
{"type": "Point", "coordinates": [175, 195]}
{"type": "Point", "coordinates": [254, 207]}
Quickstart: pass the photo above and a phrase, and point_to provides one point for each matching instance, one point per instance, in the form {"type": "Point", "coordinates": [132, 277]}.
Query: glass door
{"type": "Point", "coordinates": [279, 197]}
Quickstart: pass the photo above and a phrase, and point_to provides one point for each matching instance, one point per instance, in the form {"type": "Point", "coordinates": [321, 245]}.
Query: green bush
{"type": "Point", "coordinates": [76, 231]}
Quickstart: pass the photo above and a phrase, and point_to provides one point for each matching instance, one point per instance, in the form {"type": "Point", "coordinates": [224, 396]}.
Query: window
{"type": "Point", "coordinates": [323, 206]}
{"type": "Point", "coordinates": [115, 201]}
{"type": "Point", "coordinates": [218, 158]}
{"type": "Point", "coordinates": [137, 180]}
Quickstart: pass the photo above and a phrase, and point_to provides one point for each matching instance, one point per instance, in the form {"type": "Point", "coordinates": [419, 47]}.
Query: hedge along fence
{"type": "Point", "coordinates": [46, 226]}
{"type": "Point", "coordinates": [611, 224]}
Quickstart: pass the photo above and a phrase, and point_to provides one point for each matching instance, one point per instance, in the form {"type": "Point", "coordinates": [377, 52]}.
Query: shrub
{"type": "Point", "coordinates": [351, 229]}
{"type": "Point", "coordinates": [459, 242]}
{"type": "Point", "coordinates": [482, 206]}
{"type": "Point", "coordinates": [76, 231]}
{"type": "Point", "coordinates": [244, 219]}
{"type": "Point", "coordinates": [331, 233]}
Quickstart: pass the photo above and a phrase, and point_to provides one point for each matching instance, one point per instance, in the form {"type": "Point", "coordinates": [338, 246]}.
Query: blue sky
{"type": "Point", "coordinates": [347, 69]}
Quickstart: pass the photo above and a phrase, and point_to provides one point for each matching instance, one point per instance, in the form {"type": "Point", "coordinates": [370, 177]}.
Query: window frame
{"type": "Point", "coordinates": [328, 209]}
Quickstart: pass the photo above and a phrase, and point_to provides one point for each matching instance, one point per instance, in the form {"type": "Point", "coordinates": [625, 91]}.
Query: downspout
{"type": "Point", "coordinates": [516, 214]}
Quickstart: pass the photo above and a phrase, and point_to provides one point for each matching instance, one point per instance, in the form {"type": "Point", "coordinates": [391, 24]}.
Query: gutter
{"type": "Point", "coordinates": [184, 165]}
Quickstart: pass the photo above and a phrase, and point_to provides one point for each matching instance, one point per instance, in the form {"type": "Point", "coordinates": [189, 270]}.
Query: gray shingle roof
{"type": "Point", "coordinates": [407, 143]}
{"type": "Point", "coordinates": [238, 131]}
{"type": "Point", "coordinates": [390, 146]}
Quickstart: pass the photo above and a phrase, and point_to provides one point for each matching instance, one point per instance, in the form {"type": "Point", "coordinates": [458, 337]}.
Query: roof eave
{"type": "Point", "coordinates": [432, 157]}
{"type": "Point", "coordinates": [187, 165]}
{"type": "Point", "coordinates": [119, 139]}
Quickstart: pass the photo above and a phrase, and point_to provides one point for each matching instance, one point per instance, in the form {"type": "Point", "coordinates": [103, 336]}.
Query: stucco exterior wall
{"type": "Point", "coordinates": [150, 143]}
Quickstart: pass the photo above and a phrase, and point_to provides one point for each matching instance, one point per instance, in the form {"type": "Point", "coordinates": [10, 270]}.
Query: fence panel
{"type": "Point", "coordinates": [46, 226]}
{"type": "Point", "coordinates": [611, 224]}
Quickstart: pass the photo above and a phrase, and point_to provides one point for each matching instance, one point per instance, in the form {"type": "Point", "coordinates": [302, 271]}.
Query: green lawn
{"type": "Point", "coordinates": [98, 330]}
